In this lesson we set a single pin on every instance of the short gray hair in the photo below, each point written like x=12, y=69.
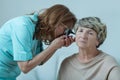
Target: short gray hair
x=95, y=24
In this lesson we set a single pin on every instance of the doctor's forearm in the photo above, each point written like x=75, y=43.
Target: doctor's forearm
x=42, y=57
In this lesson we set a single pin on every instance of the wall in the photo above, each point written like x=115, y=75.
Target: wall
x=107, y=10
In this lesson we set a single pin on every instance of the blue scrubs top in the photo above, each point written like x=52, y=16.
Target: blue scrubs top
x=17, y=44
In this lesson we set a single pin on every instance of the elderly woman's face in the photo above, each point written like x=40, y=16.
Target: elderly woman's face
x=86, y=38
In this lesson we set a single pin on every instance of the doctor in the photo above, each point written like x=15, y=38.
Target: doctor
x=21, y=39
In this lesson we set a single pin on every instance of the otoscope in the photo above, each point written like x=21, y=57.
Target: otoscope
x=68, y=32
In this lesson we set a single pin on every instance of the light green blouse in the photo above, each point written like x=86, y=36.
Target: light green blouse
x=17, y=44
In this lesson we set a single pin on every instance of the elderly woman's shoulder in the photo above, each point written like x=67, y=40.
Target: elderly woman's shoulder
x=110, y=60
x=70, y=58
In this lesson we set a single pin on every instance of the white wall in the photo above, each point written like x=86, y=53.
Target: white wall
x=107, y=10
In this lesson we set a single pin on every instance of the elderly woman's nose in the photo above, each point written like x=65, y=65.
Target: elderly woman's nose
x=84, y=35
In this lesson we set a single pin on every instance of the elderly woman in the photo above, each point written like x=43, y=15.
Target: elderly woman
x=90, y=63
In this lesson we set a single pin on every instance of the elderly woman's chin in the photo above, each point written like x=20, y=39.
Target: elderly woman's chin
x=82, y=45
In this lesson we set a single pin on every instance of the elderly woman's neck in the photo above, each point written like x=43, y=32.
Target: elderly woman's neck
x=87, y=55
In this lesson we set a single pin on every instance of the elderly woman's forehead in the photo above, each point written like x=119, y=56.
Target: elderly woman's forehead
x=87, y=28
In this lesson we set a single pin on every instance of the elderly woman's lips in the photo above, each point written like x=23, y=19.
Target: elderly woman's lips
x=83, y=41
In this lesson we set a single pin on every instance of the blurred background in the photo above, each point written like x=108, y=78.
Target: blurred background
x=107, y=10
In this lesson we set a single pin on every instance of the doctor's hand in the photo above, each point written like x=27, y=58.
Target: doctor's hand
x=62, y=41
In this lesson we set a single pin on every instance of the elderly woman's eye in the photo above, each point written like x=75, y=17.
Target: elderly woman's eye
x=80, y=30
x=91, y=33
